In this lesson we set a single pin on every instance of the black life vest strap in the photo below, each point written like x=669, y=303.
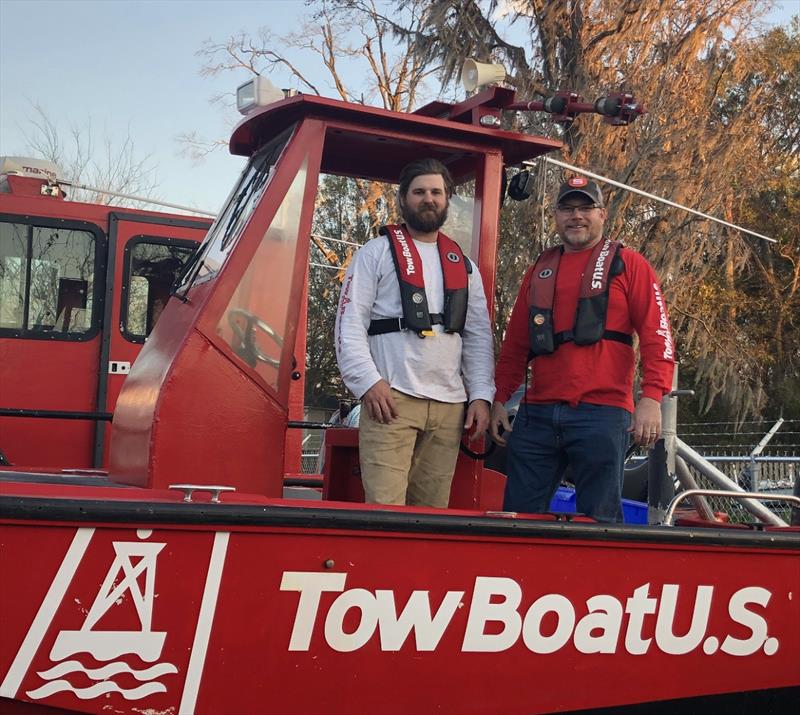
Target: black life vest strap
x=380, y=326
x=567, y=336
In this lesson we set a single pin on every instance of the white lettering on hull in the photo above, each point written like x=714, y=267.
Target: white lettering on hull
x=496, y=620
x=377, y=611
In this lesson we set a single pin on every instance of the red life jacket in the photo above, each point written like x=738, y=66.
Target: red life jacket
x=408, y=267
x=603, y=263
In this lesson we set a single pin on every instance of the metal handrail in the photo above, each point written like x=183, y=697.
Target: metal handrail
x=301, y=424
x=721, y=493
x=724, y=482
x=56, y=414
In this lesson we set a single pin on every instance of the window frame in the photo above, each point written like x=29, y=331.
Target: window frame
x=131, y=244
x=220, y=237
x=99, y=278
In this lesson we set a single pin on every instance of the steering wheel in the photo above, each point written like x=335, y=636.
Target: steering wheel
x=478, y=455
x=247, y=347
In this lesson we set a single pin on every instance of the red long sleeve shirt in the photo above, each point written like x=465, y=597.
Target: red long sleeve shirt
x=600, y=374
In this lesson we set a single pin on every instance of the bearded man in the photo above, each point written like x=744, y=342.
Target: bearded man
x=413, y=342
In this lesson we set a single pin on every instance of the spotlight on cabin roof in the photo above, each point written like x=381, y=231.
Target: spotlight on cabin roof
x=256, y=92
x=478, y=74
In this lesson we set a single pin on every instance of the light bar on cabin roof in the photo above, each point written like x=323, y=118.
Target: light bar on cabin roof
x=257, y=92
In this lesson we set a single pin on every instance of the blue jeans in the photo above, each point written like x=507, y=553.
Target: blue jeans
x=591, y=439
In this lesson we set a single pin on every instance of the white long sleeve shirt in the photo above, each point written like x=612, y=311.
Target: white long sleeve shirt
x=445, y=367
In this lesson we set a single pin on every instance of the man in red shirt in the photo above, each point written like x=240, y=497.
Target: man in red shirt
x=575, y=314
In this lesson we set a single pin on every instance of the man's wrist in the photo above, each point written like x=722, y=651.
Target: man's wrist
x=501, y=397
x=651, y=397
x=481, y=392
x=379, y=380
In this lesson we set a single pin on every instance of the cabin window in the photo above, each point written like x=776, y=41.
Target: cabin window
x=348, y=213
x=254, y=323
x=228, y=227
x=151, y=267
x=46, y=280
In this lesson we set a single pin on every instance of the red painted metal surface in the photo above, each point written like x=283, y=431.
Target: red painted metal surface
x=128, y=229
x=252, y=131
x=335, y=611
x=56, y=374
x=293, y=460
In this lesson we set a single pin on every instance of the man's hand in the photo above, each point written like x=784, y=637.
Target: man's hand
x=379, y=403
x=477, y=416
x=646, y=427
x=499, y=417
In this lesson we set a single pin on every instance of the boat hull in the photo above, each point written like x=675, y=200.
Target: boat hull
x=289, y=608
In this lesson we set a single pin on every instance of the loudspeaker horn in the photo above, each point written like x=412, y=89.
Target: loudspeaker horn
x=478, y=74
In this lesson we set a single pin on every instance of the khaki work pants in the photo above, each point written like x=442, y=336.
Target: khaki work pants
x=412, y=460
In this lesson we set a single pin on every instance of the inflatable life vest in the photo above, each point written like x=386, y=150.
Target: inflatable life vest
x=603, y=264
x=408, y=267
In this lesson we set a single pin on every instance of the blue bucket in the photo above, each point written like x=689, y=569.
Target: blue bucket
x=563, y=502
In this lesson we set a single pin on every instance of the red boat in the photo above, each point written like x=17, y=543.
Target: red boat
x=196, y=576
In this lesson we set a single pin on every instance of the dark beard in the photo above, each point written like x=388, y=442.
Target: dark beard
x=425, y=220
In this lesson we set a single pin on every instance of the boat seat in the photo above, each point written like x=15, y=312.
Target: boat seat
x=342, y=478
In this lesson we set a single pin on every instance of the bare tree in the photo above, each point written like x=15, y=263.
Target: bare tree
x=346, y=38
x=108, y=164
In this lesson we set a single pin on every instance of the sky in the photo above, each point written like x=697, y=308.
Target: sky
x=130, y=68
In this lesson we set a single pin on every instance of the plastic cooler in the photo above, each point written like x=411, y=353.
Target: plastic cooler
x=633, y=512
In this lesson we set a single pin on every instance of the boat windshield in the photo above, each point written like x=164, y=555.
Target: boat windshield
x=229, y=226
x=254, y=322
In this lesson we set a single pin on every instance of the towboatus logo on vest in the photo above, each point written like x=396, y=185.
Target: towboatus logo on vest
x=104, y=629
x=410, y=268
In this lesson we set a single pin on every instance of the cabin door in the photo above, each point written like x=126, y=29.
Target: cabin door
x=149, y=252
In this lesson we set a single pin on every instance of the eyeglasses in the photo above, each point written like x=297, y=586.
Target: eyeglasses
x=583, y=209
